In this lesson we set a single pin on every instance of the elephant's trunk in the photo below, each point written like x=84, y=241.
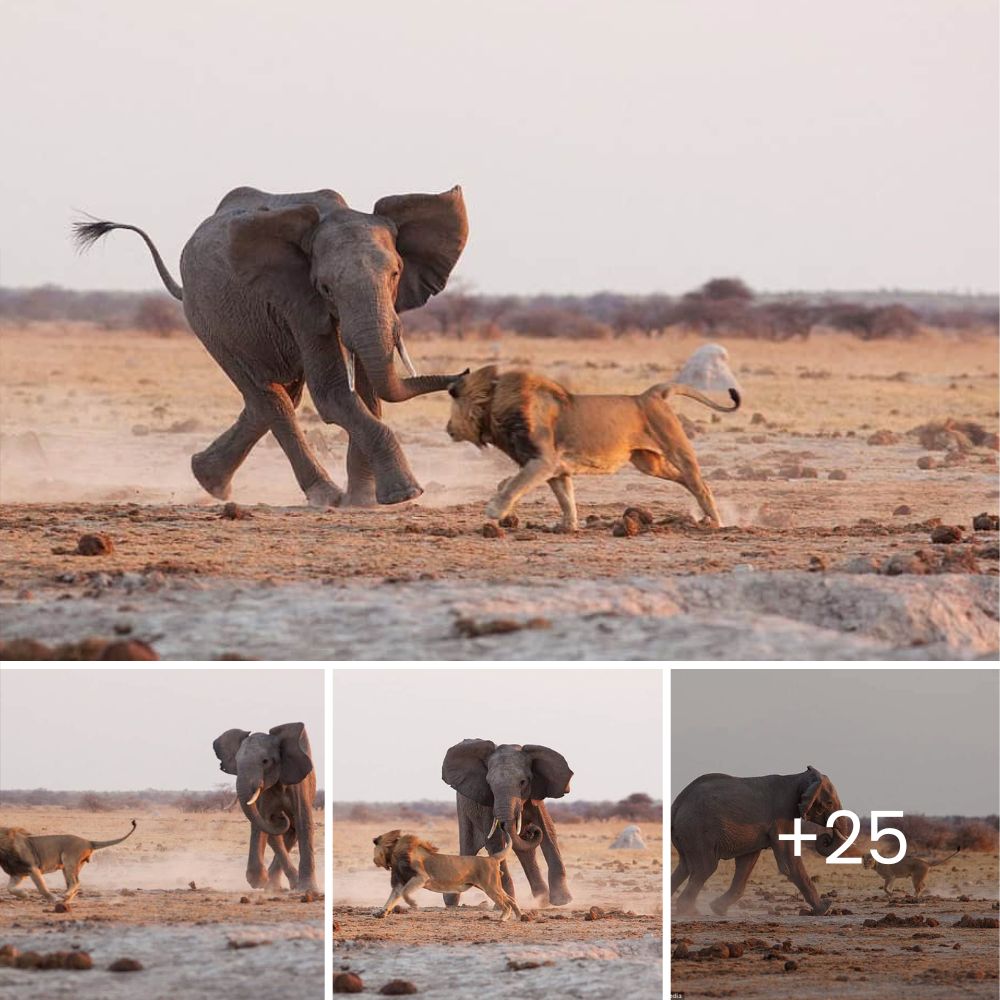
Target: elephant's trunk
x=524, y=837
x=375, y=345
x=830, y=838
x=247, y=791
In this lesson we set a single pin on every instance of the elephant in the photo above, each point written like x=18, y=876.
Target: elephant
x=293, y=290
x=504, y=787
x=276, y=789
x=718, y=816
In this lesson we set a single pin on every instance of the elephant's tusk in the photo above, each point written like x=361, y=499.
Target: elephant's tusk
x=518, y=830
x=493, y=828
x=404, y=354
x=349, y=361
x=253, y=798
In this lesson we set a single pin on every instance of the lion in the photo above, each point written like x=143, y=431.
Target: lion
x=22, y=854
x=916, y=868
x=553, y=434
x=416, y=864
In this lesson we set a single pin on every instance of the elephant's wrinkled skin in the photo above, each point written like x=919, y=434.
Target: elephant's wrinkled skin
x=276, y=788
x=718, y=816
x=299, y=289
x=505, y=786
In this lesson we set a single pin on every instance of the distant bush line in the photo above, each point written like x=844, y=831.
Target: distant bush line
x=720, y=307
x=943, y=833
x=219, y=799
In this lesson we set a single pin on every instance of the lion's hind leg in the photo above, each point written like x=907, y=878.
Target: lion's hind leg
x=685, y=473
x=562, y=487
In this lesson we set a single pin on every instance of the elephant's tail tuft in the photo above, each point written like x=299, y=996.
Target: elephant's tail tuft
x=86, y=234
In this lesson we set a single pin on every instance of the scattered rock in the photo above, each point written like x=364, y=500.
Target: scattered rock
x=491, y=530
x=511, y=521
x=977, y=922
x=61, y=907
x=902, y=510
x=791, y=966
x=891, y=920
x=626, y=527
x=244, y=900
x=129, y=649
x=398, y=988
x=640, y=514
x=595, y=913
x=817, y=563
x=234, y=512
x=97, y=544
x=184, y=426
x=837, y=474
x=926, y=462
x=986, y=522
x=884, y=437
x=347, y=982
x=681, y=951
x=469, y=628
x=946, y=534
x=125, y=965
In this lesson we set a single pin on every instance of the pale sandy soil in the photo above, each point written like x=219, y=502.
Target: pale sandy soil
x=117, y=417
x=458, y=953
x=835, y=954
x=136, y=902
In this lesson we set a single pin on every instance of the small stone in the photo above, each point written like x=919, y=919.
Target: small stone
x=97, y=544
x=986, y=522
x=837, y=474
x=511, y=521
x=817, y=563
x=626, y=527
x=719, y=951
x=758, y=418
x=125, y=965
x=946, y=534
x=791, y=966
x=61, y=907
x=398, y=988
x=641, y=514
x=594, y=913
x=244, y=900
x=234, y=512
x=902, y=510
x=77, y=960
x=347, y=982
x=926, y=462
x=883, y=437
x=309, y=897
x=491, y=530
x=681, y=951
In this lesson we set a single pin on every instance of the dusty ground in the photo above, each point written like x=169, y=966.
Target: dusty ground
x=836, y=955
x=459, y=953
x=136, y=901
x=99, y=429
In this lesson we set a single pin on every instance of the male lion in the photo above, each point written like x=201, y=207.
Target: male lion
x=416, y=864
x=553, y=434
x=916, y=868
x=22, y=854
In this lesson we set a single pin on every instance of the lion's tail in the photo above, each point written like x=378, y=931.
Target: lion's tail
x=666, y=389
x=95, y=844
x=508, y=846
x=934, y=864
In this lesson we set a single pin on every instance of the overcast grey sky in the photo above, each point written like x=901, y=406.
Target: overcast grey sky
x=639, y=146
x=924, y=741
x=391, y=728
x=123, y=730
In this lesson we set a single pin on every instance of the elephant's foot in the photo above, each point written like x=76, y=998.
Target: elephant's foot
x=720, y=906
x=397, y=492
x=307, y=885
x=541, y=899
x=821, y=907
x=362, y=495
x=257, y=880
x=324, y=494
x=209, y=478
x=559, y=896
x=451, y=899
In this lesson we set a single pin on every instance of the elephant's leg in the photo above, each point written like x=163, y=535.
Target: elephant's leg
x=215, y=467
x=256, y=871
x=679, y=875
x=795, y=870
x=468, y=846
x=559, y=894
x=701, y=867
x=536, y=472
x=360, y=476
x=281, y=863
x=305, y=832
x=275, y=405
x=529, y=862
x=744, y=866
x=562, y=486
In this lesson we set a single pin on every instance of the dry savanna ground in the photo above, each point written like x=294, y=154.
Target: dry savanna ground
x=773, y=952
x=557, y=951
x=829, y=497
x=173, y=897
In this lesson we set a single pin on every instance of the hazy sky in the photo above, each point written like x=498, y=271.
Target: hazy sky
x=111, y=730
x=639, y=146
x=391, y=728
x=924, y=741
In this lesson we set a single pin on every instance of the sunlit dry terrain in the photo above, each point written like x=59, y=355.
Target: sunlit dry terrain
x=173, y=897
x=817, y=478
x=557, y=951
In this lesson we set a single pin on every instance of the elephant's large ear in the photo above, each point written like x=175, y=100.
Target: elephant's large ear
x=296, y=761
x=464, y=768
x=550, y=772
x=814, y=786
x=270, y=249
x=431, y=230
x=225, y=748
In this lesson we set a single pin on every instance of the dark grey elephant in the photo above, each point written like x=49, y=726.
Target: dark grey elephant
x=504, y=786
x=286, y=290
x=718, y=816
x=276, y=788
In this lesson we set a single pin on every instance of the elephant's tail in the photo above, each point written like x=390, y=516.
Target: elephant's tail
x=508, y=845
x=95, y=844
x=666, y=389
x=86, y=234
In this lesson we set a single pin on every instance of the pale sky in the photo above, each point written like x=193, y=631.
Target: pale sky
x=924, y=741
x=125, y=730
x=391, y=728
x=639, y=146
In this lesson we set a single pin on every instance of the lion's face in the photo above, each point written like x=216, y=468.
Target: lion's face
x=471, y=396
x=384, y=844
x=867, y=861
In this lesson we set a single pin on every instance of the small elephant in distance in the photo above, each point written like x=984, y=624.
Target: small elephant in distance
x=276, y=788
x=718, y=816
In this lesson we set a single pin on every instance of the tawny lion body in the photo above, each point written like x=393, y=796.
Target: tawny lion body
x=22, y=854
x=917, y=869
x=553, y=435
x=416, y=864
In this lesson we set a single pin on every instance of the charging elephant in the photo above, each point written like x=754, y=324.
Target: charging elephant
x=286, y=290
x=718, y=816
x=504, y=786
x=276, y=788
